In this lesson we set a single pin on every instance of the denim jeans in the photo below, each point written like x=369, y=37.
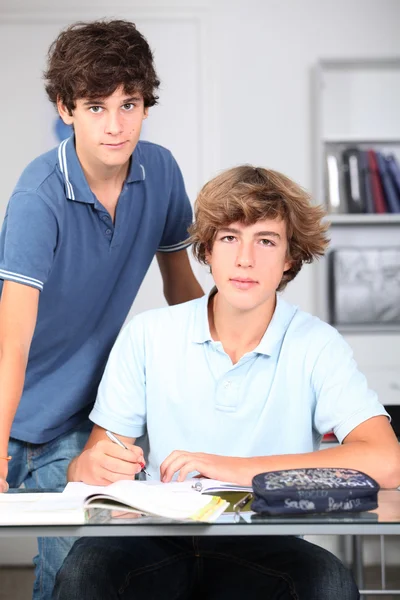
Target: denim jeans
x=215, y=568
x=44, y=466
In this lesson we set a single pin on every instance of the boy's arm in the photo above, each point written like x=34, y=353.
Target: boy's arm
x=102, y=461
x=344, y=405
x=371, y=447
x=18, y=314
x=120, y=407
x=180, y=284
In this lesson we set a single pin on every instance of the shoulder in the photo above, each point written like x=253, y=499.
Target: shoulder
x=37, y=172
x=154, y=155
x=164, y=325
x=309, y=335
x=40, y=180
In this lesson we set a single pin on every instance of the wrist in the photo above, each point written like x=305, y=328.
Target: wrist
x=73, y=472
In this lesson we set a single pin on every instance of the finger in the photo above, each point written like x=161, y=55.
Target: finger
x=166, y=464
x=133, y=454
x=186, y=469
x=122, y=467
x=176, y=466
x=110, y=477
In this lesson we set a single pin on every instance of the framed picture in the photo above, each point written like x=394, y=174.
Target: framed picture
x=364, y=286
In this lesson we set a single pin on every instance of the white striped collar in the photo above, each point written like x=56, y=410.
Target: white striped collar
x=62, y=161
x=71, y=169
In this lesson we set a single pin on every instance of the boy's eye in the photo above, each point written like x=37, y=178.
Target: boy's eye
x=128, y=106
x=228, y=238
x=95, y=109
x=265, y=242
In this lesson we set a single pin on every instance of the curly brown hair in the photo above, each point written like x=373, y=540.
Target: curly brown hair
x=91, y=60
x=248, y=194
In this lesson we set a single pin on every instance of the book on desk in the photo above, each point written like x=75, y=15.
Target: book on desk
x=189, y=500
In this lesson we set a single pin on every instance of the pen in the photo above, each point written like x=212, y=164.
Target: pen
x=114, y=439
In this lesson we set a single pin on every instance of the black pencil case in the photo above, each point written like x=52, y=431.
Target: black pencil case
x=314, y=490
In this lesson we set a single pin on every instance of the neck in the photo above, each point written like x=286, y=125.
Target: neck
x=238, y=331
x=100, y=176
x=105, y=178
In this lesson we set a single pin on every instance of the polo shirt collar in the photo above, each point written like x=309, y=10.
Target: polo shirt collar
x=276, y=330
x=272, y=338
x=76, y=185
x=201, y=330
x=136, y=169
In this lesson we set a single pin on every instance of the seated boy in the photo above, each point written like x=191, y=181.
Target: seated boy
x=228, y=386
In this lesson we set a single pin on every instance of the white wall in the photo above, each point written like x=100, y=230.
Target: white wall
x=254, y=61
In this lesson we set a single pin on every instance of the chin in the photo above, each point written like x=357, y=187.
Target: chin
x=244, y=304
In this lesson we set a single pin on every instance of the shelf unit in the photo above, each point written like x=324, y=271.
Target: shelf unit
x=357, y=102
x=363, y=219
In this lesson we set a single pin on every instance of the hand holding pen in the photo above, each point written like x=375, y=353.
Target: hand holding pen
x=120, y=443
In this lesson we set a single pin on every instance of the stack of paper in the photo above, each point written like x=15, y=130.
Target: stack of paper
x=40, y=509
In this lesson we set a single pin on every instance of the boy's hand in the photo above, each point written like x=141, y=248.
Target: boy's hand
x=3, y=476
x=213, y=466
x=4, y=487
x=106, y=462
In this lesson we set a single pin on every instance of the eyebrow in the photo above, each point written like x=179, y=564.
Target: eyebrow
x=100, y=102
x=258, y=234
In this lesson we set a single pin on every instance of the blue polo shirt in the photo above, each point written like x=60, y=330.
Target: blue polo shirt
x=167, y=374
x=58, y=238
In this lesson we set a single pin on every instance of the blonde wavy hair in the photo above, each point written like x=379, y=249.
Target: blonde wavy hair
x=248, y=194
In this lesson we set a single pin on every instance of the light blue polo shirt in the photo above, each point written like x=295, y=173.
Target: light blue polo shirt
x=165, y=372
x=58, y=238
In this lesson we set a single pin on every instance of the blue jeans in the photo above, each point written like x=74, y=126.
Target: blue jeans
x=44, y=466
x=215, y=568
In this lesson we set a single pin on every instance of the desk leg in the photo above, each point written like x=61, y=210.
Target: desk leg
x=358, y=567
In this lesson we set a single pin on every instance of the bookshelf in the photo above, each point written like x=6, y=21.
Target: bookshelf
x=356, y=104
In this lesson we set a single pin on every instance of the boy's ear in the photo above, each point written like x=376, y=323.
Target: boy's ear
x=64, y=113
x=288, y=265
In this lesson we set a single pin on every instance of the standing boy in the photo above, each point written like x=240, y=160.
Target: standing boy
x=81, y=229
x=228, y=386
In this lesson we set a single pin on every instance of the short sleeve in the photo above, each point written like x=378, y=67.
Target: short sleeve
x=121, y=399
x=343, y=399
x=179, y=215
x=28, y=240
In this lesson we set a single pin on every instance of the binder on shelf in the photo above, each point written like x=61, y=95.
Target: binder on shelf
x=394, y=170
x=352, y=180
x=377, y=191
x=335, y=193
x=391, y=195
x=366, y=182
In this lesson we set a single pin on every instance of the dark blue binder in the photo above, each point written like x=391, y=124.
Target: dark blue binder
x=394, y=170
x=391, y=195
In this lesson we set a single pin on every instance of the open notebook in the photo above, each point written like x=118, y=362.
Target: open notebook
x=174, y=501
